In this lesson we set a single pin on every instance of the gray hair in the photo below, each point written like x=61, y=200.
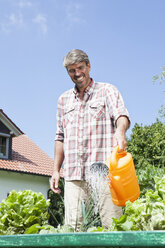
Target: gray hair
x=75, y=56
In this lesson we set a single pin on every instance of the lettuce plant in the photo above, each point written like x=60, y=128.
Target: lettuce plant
x=23, y=212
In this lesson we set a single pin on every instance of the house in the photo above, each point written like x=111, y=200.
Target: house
x=23, y=165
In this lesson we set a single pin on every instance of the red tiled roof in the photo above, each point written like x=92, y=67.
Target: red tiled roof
x=27, y=157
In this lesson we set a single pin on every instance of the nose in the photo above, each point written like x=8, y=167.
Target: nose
x=77, y=72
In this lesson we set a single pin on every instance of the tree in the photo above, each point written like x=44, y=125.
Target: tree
x=147, y=144
x=161, y=79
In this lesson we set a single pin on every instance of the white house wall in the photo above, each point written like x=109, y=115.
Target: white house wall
x=18, y=181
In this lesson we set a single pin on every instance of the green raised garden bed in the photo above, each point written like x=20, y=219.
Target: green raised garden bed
x=107, y=239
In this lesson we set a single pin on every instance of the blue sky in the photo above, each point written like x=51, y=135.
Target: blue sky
x=125, y=41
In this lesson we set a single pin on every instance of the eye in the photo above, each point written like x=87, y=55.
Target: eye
x=81, y=68
x=71, y=71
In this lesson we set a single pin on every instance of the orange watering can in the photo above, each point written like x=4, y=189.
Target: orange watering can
x=122, y=176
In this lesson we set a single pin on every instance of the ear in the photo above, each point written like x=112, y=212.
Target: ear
x=89, y=67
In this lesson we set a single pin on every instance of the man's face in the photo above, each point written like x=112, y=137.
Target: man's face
x=79, y=73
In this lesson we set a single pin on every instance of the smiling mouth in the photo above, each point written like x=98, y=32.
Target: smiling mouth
x=80, y=79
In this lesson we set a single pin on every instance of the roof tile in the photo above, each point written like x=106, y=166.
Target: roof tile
x=27, y=157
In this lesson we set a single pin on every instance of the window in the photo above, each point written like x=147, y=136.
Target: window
x=4, y=145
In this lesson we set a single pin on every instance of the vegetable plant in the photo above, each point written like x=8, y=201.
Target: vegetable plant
x=23, y=212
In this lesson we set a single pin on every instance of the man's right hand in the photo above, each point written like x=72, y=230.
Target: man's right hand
x=54, y=182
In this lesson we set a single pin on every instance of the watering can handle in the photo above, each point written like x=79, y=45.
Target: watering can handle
x=115, y=157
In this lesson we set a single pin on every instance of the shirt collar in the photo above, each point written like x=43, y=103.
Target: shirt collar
x=88, y=90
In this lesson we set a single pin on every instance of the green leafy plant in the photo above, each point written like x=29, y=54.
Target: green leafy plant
x=146, y=177
x=60, y=229
x=23, y=212
x=90, y=217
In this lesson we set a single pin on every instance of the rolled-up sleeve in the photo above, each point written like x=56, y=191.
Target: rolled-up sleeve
x=116, y=104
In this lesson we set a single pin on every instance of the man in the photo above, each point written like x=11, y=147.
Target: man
x=91, y=120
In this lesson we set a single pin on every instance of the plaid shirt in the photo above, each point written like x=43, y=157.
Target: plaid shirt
x=87, y=127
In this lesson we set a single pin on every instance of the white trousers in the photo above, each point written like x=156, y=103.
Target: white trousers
x=77, y=192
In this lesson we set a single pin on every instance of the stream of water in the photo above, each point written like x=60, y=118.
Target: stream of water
x=96, y=181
